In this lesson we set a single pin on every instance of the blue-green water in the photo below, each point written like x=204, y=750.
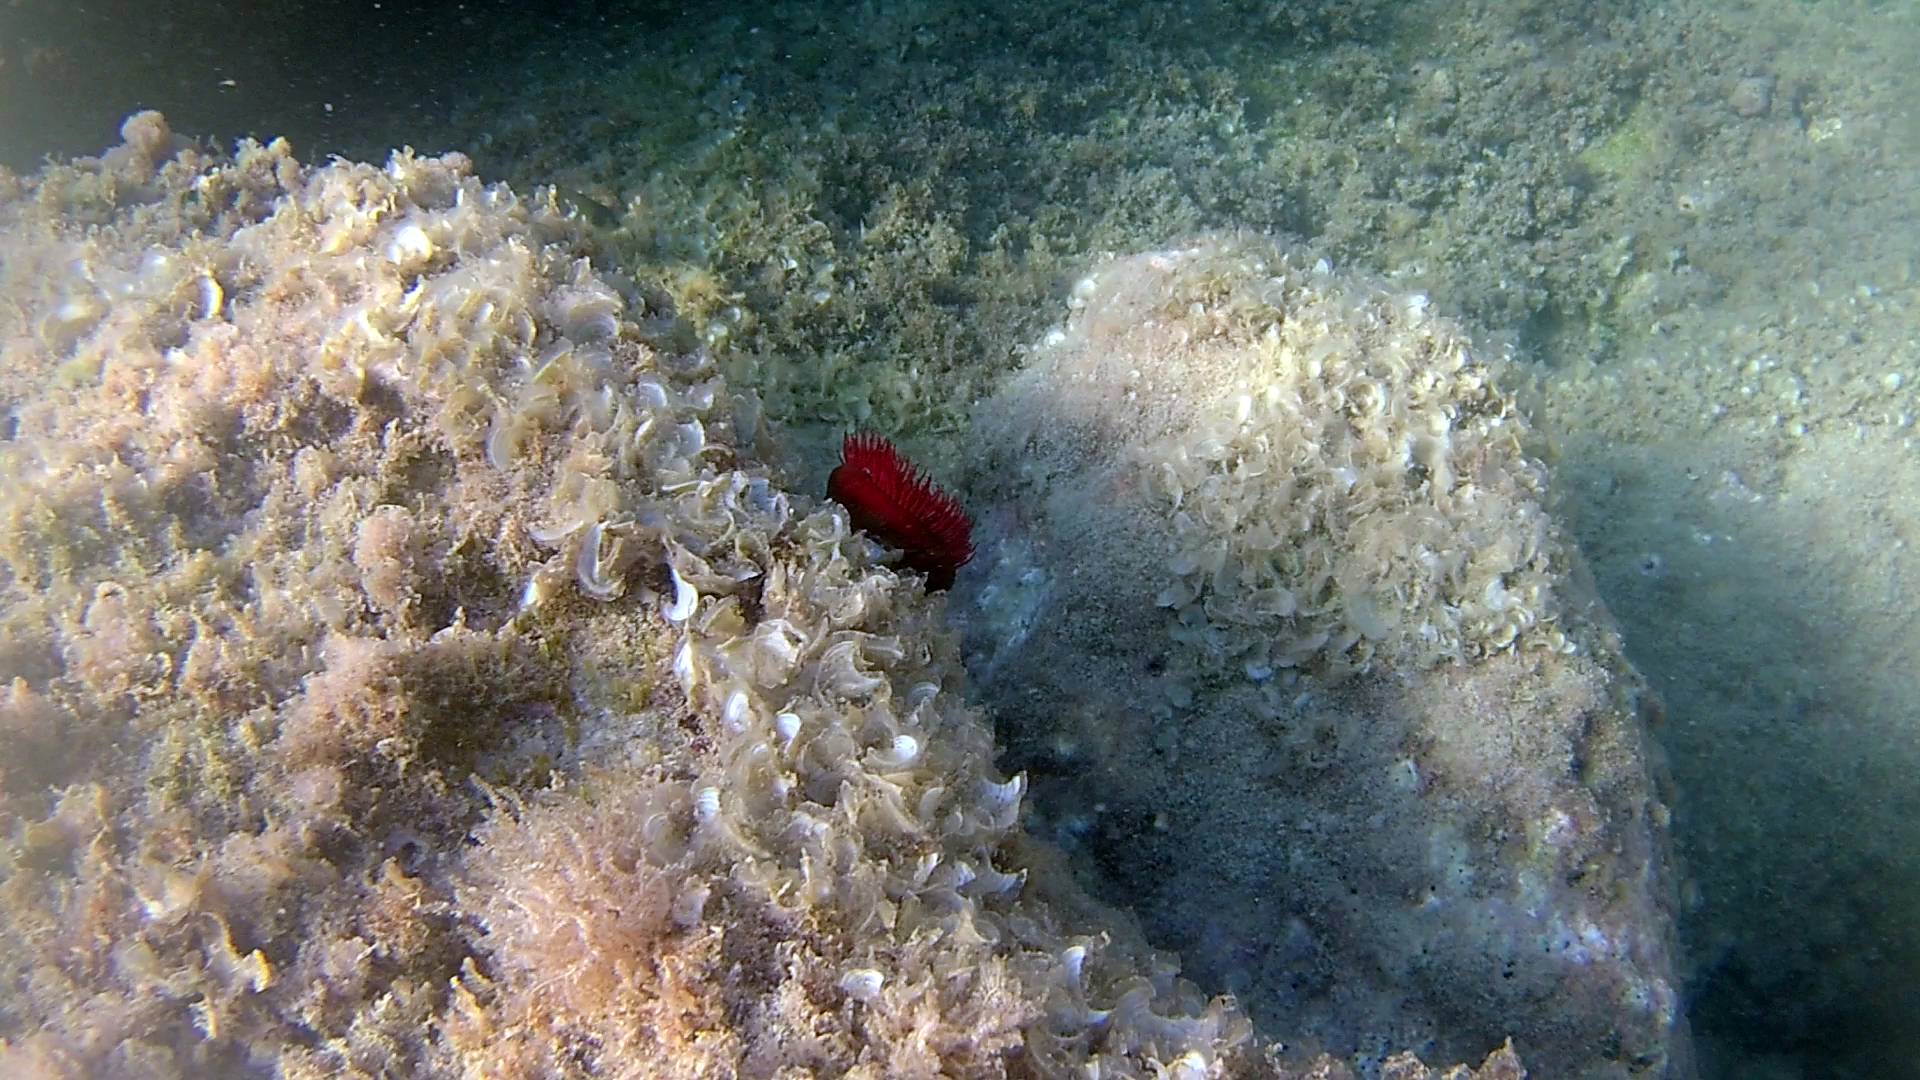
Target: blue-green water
x=1700, y=223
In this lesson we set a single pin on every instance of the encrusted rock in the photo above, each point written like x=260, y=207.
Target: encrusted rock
x=1271, y=608
x=409, y=665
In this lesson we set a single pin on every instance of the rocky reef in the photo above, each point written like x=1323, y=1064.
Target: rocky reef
x=1272, y=608
x=416, y=665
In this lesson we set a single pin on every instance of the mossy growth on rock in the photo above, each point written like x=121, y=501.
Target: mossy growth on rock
x=414, y=666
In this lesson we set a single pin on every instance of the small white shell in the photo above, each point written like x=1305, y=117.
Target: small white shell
x=1001, y=796
x=411, y=248
x=863, y=984
x=1003, y=800
x=930, y=802
x=706, y=804
x=905, y=750
x=685, y=597
x=788, y=725
x=738, y=711
x=650, y=393
x=1071, y=962
x=591, y=568
x=212, y=297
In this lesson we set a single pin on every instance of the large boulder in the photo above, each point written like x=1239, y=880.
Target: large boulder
x=1271, y=607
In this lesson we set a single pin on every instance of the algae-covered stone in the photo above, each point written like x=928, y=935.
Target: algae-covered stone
x=412, y=665
x=1271, y=605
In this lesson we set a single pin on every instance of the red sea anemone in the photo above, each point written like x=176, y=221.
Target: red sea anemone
x=889, y=500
